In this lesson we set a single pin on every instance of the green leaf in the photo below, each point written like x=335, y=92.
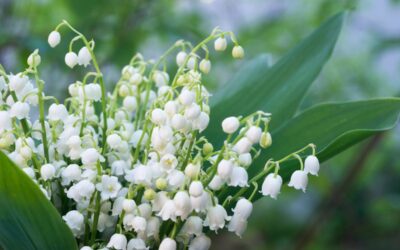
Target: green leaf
x=27, y=219
x=332, y=128
x=279, y=89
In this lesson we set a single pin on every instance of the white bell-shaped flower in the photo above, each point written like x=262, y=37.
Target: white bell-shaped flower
x=136, y=244
x=237, y=225
x=153, y=226
x=242, y=146
x=5, y=121
x=18, y=82
x=80, y=191
x=57, y=112
x=171, y=108
x=167, y=244
x=70, y=173
x=254, y=134
x=159, y=201
x=75, y=222
x=161, y=78
x=272, y=185
x=216, y=183
x=187, y=97
x=54, y=38
x=245, y=159
x=193, y=226
x=230, y=125
x=130, y=103
x=239, y=177
x=158, y=116
x=299, y=180
x=176, y=179
x=139, y=224
x=200, y=204
x=168, y=212
x=201, y=242
x=216, y=217
x=192, y=170
x=20, y=110
x=47, y=172
x=114, y=141
x=192, y=111
x=71, y=59
x=93, y=92
x=128, y=205
x=90, y=157
x=141, y=174
x=311, y=165
x=117, y=241
x=201, y=123
x=182, y=204
x=196, y=189
x=243, y=208
x=224, y=169
x=84, y=56
x=178, y=122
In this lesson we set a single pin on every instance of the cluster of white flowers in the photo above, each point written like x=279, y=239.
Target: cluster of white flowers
x=130, y=169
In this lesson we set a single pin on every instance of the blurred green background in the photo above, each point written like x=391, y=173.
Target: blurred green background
x=355, y=202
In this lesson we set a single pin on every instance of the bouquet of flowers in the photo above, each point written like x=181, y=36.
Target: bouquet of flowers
x=131, y=169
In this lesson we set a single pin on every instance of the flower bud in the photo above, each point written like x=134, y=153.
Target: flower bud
x=207, y=148
x=192, y=170
x=299, y=180
x=220, y=44
x=161, y=183
x=238, y=52
x=205, y=66
x=34, y=59
x=230, y=125
x=149, y=194
x=272, y=185
x=54, y=38
x=265, y=140
x=71, y=59
x=311, y=165
x=191, y=64
x=180, y=58
x=123, y=91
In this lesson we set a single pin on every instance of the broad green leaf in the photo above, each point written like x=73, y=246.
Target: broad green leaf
x=27, y=219
x=332, y=128
x=280, y=88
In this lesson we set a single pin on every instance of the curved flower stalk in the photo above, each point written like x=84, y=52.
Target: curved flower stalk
x=138, y=173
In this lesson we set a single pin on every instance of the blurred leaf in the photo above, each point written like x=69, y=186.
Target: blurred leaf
x=332, y=128
x=27, y=219
x=281, y=88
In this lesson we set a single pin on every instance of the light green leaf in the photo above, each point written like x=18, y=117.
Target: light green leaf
x=279, y=89
x=332, y=128
x=27, y=219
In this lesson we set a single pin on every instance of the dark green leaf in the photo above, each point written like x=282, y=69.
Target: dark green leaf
x=332, y=128
x=27, y=219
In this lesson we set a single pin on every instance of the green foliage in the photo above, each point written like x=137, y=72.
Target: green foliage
x=27, y=219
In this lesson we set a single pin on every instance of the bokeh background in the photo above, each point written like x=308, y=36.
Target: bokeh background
x=355, y=202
